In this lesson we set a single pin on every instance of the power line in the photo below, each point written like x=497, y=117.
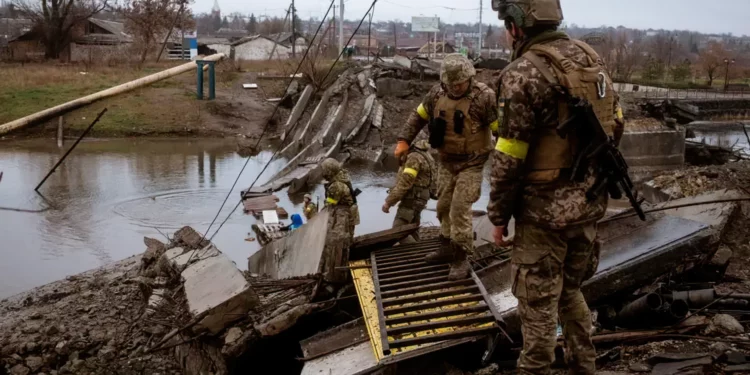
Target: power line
x=265, y=128
x=432, y=7
x=341, y=53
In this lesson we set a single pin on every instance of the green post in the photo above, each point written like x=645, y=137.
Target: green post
x=200, y=79
x=211, y=80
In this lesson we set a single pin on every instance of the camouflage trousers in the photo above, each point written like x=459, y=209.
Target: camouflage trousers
x=338, y=239
x=547, y=269
x=406, y=215
x=458, y=190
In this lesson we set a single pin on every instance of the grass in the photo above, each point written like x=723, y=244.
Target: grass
x=163, y=107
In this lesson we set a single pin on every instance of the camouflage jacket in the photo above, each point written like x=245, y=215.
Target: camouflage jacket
x=338, y=190
x=413, y=181
x=482, y=112
x=525, y=103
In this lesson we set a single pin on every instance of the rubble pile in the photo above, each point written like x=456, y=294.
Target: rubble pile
x=693, y=181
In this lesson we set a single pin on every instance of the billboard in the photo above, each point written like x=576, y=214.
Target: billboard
x=425, y=24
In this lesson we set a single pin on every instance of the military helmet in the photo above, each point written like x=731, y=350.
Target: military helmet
x=529, y=13
x=330, y=167
x=456, y=68
x=422, y=144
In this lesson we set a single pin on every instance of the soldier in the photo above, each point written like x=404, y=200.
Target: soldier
x=461, y=114
x=413, y=187
x=344, y=216
x=310, y=209
x=554, y=246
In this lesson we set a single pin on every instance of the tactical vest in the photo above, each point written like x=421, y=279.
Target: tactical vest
x=551, y=152
x=470, y=138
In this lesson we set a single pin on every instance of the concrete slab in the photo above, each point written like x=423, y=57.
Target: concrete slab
x=317, y=115
x=354, y=360
x=660, y=246
x=215, y=287
x=369, y=103
x=715, y=215
x=173, y=253
x=654, y=149
x=193, y=256
x=299, y=108
x=298, y=254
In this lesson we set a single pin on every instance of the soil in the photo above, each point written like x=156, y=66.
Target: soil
x=86, y=324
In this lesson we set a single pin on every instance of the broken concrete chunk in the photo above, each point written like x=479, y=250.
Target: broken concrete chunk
x=393, y=87
x=34, y=363
x=19, y=370
x=233, y=335
x=193, y=256
x=189, y=238
x=216, y=289
x=723, y=325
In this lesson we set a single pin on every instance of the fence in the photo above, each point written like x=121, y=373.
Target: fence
x=651, y=92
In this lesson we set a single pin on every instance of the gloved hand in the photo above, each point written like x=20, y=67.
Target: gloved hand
x=401, y=149
x=499, y=234
x=386, y=208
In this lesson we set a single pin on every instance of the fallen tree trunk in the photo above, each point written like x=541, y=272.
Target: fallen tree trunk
x=86, y=100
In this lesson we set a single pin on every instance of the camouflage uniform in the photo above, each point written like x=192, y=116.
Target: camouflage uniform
x=463, y=153
x=344, y=216
x=555, y=223
x=412, y=188
x=310, y=208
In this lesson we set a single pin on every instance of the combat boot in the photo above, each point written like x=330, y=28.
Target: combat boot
x=459, y=266
x=445, y=253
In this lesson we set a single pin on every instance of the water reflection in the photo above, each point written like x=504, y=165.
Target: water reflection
x=109, y=194
x=727, y=135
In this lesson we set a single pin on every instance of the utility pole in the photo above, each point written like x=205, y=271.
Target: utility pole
x=369, y=35
x=395, y=40
x=294, y=37
x=341, y=26
x=480, y=28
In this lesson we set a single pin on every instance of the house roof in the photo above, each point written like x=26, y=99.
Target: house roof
x=284, y=38
x=254, y=37
x=115, y=33
x=115, y=28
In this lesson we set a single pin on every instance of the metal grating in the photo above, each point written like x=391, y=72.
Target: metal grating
x=417, y=305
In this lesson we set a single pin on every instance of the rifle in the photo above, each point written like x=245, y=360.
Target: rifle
x=612, y=170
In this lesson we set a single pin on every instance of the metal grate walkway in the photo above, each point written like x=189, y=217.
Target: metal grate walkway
x=416, y=305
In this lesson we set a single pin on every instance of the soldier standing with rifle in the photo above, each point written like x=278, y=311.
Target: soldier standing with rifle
x=560, y=122
x=461, y=115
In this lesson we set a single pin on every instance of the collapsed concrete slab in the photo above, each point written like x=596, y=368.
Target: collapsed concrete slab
x=216, y=290
x=299, y=108
x=369, y=103
x=298, y=254
x=660, y=246
x=715, y=215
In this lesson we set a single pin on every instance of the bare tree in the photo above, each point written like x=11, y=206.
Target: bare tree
x=711, y=59
x=149, y=20
x=55, y=20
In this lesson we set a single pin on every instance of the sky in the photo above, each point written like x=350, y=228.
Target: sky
x=717, y=16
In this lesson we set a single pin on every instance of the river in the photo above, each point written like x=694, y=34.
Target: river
x=109, y=194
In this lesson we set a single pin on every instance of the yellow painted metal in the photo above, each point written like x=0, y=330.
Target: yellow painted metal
x=365, y=287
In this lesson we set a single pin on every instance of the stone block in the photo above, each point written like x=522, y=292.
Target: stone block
x=214, y=287
x=393, y=87
x=661, y=148
x=189, y=238
x=193, y=256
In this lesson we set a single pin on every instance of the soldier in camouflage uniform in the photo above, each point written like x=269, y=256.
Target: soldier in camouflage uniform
x=554, y=246
x=461, y=115
x=310, y=208
x=412, y=188
x=343, y=217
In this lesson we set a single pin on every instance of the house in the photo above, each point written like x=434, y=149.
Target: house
x=212, y=45
x=285, y=38
x=93, y=39
x=26, y=47
x=100, y=40
x=259, y=47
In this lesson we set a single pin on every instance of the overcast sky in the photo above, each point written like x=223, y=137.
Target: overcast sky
x=717, y=16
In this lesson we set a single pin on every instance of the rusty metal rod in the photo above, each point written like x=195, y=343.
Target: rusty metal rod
x=415, y=276
x=85, y=132
x=426, y=297
x=428, y=287
x=436, y=314
x=406, y=255
x=411, y=271
x=486, y=318
x=407, y=266
x=415, y=261
x=429, y=305
x=388, y=288
x=442, y=336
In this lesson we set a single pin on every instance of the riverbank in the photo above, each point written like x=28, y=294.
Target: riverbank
x=165, y=108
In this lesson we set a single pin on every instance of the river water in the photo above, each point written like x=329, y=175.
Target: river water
x=109, y=194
